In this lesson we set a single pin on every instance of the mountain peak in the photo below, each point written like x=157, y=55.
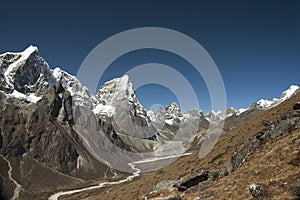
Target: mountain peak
x=20, y=60
x=173, y=111
x=30, y=50
x=117, y=88
x=173, y=107
x=266, y=104
x=23, y=71
x=26, y=53
x=125, y=78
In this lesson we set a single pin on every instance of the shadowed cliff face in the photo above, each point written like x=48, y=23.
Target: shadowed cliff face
x=41, y=134
x=28, y=129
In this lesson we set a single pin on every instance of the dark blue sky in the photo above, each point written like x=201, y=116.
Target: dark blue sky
x=255, y=44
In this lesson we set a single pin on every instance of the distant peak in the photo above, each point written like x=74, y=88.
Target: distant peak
x=294, y=86
x=266, y=104
x=173, y=104
x=123, y=80
x=117, y=88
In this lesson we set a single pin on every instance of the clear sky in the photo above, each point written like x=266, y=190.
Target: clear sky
x=255, y=44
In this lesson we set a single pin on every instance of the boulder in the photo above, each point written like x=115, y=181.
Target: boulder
x=259, y=191
x=297, y=106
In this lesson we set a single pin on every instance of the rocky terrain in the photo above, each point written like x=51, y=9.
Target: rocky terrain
x=56, y=136
x=258, y=159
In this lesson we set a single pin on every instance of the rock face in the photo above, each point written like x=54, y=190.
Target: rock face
x=27, y=129
x=177, y=189
x=6, y=60
x=117, y=103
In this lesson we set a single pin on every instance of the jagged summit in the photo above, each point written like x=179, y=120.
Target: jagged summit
x=118, y=95
x=116, y=89
x=12, y=63
x=25, y=54
x=25, y=74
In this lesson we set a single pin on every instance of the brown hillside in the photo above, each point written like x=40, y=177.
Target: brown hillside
x=273, y=164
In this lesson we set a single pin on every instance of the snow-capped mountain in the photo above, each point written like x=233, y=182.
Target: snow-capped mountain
x=25, y=75
x=266, y=104
x=37, y=125
x=80, y=94
x=116, y=97
x=263, y=104
x=216, y=117
x=117, y=102
x=170, y=115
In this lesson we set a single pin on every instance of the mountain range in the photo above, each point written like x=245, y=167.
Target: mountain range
x=53, y=130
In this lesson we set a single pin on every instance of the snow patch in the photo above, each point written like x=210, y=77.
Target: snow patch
x=80, y=161
x=104, y=110
x=29, y=97
x=169, y=121
x=241, y=110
